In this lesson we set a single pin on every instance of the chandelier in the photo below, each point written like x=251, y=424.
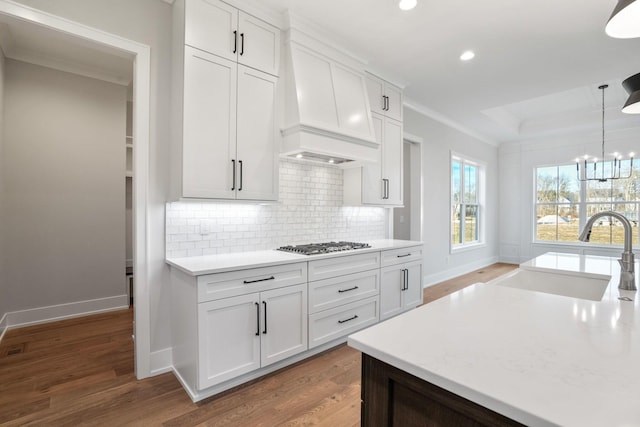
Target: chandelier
x=616, y=163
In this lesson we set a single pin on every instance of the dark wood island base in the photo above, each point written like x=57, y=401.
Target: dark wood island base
x=392, y=397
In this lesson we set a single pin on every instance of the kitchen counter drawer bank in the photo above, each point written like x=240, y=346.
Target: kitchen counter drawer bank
x=237, y=317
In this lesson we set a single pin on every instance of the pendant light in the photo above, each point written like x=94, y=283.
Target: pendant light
x=616, y=163
x=632, y=86
x=624, y=22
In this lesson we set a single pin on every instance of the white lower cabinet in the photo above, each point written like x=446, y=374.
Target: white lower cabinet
x=234, y=326
x=228, y=338
x=400, y=288
x=241, y=334
x=338, y=322
x=343, y=296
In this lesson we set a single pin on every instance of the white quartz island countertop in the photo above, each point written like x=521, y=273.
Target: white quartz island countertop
x=540, y=359
x=209, y=264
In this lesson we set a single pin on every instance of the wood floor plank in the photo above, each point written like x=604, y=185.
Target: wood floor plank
x=80, y=372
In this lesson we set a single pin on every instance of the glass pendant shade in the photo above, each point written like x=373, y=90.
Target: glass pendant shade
x=632, y=86
x=624, y=22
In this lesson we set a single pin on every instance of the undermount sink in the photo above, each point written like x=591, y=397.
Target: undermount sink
x=590, y=287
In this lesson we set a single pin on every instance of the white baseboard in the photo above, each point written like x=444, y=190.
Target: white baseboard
x=160, y=362
x=3, y=325
x=52, y=313
x=441, y=276
x=510, y=259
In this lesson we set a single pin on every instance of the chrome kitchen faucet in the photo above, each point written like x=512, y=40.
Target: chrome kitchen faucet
x=627, y=276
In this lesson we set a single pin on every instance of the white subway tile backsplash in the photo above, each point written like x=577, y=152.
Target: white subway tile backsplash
x=309, y=210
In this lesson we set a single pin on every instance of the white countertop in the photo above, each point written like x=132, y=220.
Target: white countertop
x=208, y=264
x=537, y=358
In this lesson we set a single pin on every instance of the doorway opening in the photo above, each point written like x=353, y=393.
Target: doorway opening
x=407, y=220
x=138, y=56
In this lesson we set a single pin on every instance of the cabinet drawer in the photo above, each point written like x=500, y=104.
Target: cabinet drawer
x=339, y=266
x=399, y=256
x=330, y=293
x=332, y=324
x=232, y=283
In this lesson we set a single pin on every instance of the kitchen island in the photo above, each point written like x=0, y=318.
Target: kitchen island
x=509, y=356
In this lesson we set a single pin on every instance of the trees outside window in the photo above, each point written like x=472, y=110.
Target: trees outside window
x=564, y=203
x=466, y=180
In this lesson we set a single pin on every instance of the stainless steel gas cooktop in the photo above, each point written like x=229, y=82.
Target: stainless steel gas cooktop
x=323, y=248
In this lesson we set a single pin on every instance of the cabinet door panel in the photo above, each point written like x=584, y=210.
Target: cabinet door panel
x=284, y=333
x=394, y=94
x=256, y=137
x=391, y=280
x=209, y=131
x=392, y=160
x=209, y=25
x=259, y=44
x=227, y=340
x=413, y=296
x=375, y=90
x=373, y=186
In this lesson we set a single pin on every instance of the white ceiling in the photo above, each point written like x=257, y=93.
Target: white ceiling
x=28, y=42
x=537, y=68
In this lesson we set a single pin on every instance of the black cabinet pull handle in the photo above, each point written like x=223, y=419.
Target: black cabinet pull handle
x=259, y=280
x=233, y=162
x=402, y=256
x=386, y=103
x=240, y=188
x=265, y=317
x=387, y=188
x=349, y=319
x=257, y=319
x=347, y=290
x=235, y=41
x=241, y=44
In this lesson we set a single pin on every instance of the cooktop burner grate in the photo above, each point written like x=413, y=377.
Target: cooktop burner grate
x=323, y=248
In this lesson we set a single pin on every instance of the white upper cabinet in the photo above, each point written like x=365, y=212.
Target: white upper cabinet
x=257, y=149
x=385, y=98
x=209, y=130
x=224, y=133
x=223, y=30
x=378, y=183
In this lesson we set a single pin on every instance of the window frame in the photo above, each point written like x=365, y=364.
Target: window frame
x=583, y=205
x=480, y=176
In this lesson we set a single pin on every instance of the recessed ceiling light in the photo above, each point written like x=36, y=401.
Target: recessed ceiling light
x=466, y=56
x=407, y=4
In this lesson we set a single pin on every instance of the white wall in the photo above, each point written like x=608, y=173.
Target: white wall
x=439, y=140
x=147, y=22
x=309, y=210
x=64, y=188
x=517, y=163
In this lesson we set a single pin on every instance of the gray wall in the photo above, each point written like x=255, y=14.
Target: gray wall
x=3, y=300
x=402, y=216
x=439, y=141
x=147, y=22
x=64, y=187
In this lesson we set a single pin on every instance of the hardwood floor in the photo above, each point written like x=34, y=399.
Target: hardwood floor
x=80, y=372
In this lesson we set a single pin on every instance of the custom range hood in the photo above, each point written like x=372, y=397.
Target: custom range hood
x=327, y=117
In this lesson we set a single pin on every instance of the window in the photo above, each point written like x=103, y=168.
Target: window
x=563, y=204
x=466, y=209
